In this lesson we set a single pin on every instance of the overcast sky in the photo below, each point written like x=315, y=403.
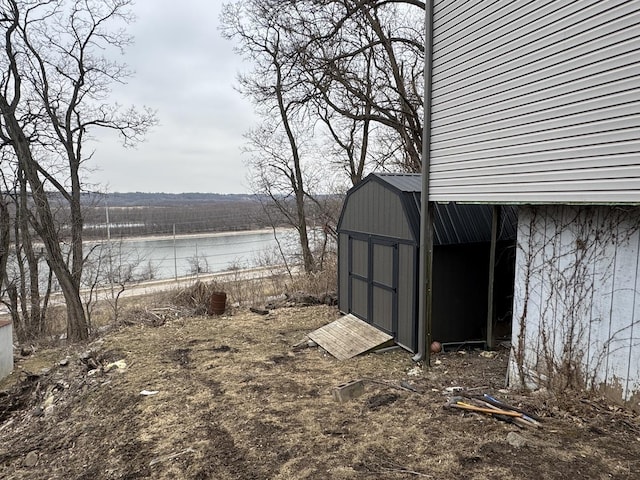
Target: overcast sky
x=186, y=71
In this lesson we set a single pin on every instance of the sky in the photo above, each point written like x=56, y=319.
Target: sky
x=186, y=72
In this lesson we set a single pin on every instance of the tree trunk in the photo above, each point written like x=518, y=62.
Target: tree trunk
x=77, y=256
x=45, y=226
x=5, y=238
x=34, y=324
x=297, y=180
x=307, y=255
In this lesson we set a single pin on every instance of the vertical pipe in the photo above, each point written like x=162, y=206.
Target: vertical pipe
x=426, y=218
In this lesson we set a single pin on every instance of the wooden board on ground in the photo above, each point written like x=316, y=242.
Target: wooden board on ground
x=349, y=336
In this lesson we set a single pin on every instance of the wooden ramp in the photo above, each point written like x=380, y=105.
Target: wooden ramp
x=349, y=336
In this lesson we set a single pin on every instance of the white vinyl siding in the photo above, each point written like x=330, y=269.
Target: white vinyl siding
x=536, y=101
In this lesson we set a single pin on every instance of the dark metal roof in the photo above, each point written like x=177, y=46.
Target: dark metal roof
x=454, y=223
x=405, y=182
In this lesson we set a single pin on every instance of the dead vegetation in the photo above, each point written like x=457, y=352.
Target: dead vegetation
x=228, y=397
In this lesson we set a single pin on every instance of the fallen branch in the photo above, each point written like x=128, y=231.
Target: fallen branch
x=391, y=467
x=166, y=458
x=405, y=470
x=403, y=385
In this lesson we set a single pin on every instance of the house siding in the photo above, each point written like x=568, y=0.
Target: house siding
x=577, y=299
x=536, y=102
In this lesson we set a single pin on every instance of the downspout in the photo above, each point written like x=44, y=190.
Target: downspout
x=426, y=214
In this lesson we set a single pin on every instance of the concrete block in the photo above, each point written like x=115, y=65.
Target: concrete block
x=347, y=391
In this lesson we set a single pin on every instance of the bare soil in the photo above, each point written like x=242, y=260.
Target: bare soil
x=235, y=401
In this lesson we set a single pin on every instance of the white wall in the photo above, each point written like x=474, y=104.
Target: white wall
x=6, y=349
x=577, y=299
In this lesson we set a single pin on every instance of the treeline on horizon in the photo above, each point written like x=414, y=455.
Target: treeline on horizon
x=134, y=199
x=145, y=214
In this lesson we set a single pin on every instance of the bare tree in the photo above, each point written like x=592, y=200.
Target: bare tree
x=55, y=84
x=347, y=73
x=276, y=89
x=5, y=219
x=111, y=268
x=365, y=60
x=339, y=85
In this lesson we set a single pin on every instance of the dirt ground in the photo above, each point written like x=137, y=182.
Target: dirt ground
x=235, y=401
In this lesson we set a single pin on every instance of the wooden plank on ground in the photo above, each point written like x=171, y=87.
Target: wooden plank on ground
x=349, y=336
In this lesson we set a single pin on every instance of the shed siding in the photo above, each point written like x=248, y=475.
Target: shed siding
x=383, y=264
x=407, y=302
x=536, y=101
x=358, y=277
x=375, y=209
x=359, y=298
x=383, y=287
x=343, y=272
x=382, y=311
x=577, y=298
x=360, y=257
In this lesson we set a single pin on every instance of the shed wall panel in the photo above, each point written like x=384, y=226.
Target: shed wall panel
x=360, y=257
x=360, y=298
x=376, y=210
x=383, y=264
x=382, y=313
x=343, y=272
x=407, y=286
x=536, y=102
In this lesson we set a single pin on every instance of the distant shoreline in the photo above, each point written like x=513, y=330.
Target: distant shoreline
x=189, y=235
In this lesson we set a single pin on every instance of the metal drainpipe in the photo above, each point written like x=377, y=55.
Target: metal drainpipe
x=426, y=220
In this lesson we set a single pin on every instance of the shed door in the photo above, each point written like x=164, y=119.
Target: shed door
x=359, y=278
x=383, y=286
x=373, y=282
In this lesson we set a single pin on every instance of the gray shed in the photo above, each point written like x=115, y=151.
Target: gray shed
x=378, y=246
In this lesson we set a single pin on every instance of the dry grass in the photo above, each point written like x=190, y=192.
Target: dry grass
x=235, y=401
x=256, y=288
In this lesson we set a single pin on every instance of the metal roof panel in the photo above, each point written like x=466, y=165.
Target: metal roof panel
x=455, y=223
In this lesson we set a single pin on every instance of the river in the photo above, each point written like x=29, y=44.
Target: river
x=168, y=257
